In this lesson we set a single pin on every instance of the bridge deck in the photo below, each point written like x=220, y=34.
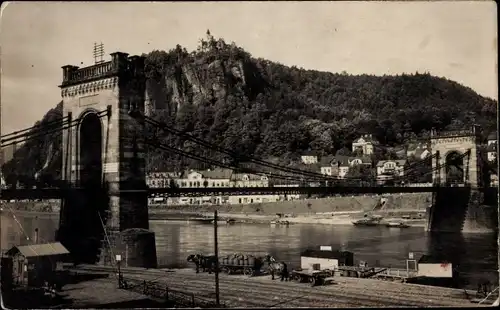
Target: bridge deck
x=55, y=193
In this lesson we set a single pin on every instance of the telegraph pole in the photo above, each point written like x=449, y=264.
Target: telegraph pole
x=216, y=249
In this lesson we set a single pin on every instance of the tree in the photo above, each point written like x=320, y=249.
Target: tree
x=343, y=152
x=172, y=183
x=361, y=172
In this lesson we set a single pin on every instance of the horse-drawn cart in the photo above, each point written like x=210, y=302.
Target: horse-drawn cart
x=245, y=264
x=231, y=264
x=315, y=277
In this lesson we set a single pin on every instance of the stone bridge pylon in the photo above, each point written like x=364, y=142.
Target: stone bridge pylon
x=104, y=155
x=457, y=175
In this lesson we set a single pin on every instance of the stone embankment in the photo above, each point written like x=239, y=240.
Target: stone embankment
x=261, y=291
x=333, y=210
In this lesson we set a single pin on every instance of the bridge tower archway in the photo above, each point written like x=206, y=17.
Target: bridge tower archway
x=106, y=150
x=456, y=158
x=90, y=151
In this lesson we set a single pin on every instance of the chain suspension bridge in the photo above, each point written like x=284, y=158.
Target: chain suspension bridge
x=103, y=186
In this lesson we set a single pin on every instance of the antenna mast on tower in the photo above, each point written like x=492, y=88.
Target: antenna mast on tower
x=98, y=53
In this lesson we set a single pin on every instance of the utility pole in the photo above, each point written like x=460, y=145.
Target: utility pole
x=216, y=249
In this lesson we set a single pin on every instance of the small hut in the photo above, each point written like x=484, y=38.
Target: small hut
x=325, y=258
x=33, y=265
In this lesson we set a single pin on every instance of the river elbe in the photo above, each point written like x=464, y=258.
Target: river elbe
x=475, y=255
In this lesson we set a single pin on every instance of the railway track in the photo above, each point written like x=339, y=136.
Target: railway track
x=241, y=291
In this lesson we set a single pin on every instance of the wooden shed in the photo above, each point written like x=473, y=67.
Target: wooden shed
x=325, y=258
x=34, y=264
x=435, y=267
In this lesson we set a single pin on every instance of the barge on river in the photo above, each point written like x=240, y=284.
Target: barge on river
x=368, y=221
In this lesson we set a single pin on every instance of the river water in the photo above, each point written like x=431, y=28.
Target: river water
x=476, y=255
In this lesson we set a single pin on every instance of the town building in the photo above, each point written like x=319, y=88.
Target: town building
x=160, y=179
x=249, y=180
x=309, y=158
x=365, y=145
x=388, y=169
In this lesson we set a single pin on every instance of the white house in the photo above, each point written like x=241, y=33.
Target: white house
x=366, y=144
x=328, y=166
x=492, y=151
x=309, y=158
x=493, y=180
x=386, y=169
x=249, y=180
x=420, y=151
x=492, y=138
x=344, y=163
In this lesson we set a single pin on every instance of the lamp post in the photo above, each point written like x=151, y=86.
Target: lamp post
x=118, y=261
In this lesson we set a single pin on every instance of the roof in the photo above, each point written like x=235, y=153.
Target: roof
x=346, y=160
x=309, y=153
x=433, y=259
x=400, y=162
x=34, y=250
x=493, y=136
x=218, y=173
x=326, y=254
x=326, y=160
x=162, y=175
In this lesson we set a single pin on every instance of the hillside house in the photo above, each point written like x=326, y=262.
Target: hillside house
x=492, y=137
x=309, y=158
x=493, y=180
x=387, y=169
x=327, y=166
x=420, y=151
x=344, y=163
x=491, y=151
x=365, y=144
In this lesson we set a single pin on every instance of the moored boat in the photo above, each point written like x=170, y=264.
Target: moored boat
x=397, y=225
x=372, y=221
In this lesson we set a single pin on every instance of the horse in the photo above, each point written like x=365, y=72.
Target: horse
x=274, y=267
x=207, y=263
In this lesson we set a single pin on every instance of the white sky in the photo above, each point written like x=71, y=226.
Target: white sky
x=456, y=40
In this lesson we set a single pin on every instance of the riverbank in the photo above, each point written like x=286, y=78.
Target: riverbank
x=328, y=211
x=261, y=291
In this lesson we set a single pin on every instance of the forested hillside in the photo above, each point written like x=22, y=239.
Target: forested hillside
x=221, y=94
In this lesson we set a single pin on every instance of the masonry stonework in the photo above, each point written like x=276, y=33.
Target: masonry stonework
x=460, y=143
x=110, y=90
